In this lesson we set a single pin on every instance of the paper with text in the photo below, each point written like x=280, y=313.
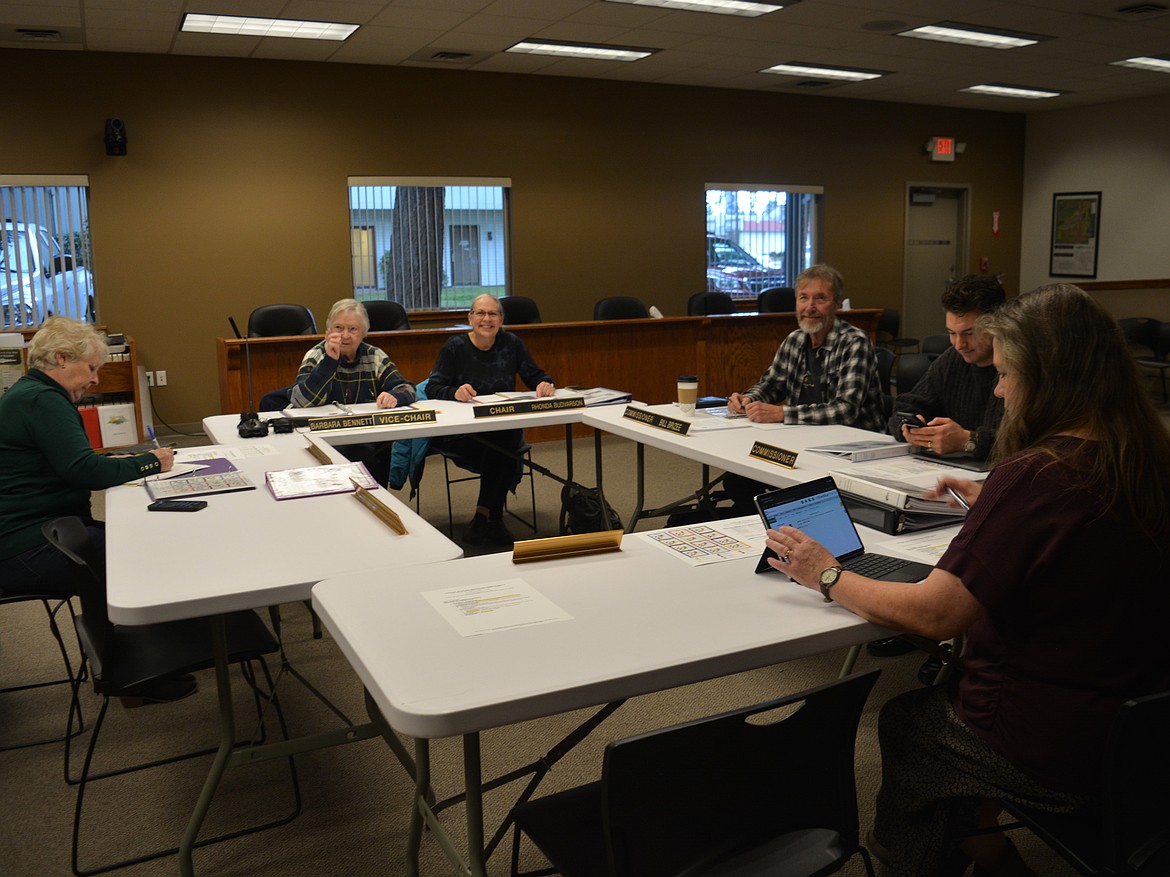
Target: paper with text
x=490, y=607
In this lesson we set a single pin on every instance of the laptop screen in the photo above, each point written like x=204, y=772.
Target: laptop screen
x=816, y=509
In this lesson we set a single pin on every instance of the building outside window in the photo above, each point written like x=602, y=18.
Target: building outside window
x=45, y=254
x=429, y=243
x=760, y=236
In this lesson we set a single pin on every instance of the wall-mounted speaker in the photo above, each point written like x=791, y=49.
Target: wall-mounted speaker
x=115, y=137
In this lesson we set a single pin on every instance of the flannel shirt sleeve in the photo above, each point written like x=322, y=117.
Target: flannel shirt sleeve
x=313, y=377
x=773, y=386
x=390, y=380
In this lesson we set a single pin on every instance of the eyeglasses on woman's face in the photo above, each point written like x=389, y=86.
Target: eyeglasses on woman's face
x=484, y=315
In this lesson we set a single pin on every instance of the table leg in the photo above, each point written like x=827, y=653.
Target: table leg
x=473, y=783
x=227, y=735
x=422, y=783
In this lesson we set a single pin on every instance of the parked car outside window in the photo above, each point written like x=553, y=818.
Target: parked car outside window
x=732, y=269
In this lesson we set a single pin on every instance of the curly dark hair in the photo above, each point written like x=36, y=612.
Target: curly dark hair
x=975, y=292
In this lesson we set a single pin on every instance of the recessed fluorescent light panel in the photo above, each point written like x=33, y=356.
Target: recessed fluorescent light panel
x=972, y=35
x=745, y=8
x=818, y=71
x=251, y=26
x=1158, y=65
x=1000, y=90
x=590, y=51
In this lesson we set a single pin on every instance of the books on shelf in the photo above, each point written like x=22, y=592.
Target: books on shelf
x=318, y=480
x=869, y=449
x=901, y=485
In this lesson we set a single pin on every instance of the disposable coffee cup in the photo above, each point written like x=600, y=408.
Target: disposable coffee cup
x=688, y=391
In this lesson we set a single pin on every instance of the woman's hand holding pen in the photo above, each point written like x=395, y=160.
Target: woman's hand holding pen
x=465, y=393
x=966, y=489
x=166, y=458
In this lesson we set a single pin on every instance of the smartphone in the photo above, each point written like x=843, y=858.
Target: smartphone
x=910, y=421
x=177, y=505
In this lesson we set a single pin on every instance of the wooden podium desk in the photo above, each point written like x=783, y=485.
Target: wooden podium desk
x=645, y=357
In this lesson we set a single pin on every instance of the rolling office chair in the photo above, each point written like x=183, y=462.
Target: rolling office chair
x=519, y=310
x=703, y=304
x=620, y=307
x=909, y=370
x=125, y=658
x=887, y=332
x=772, y=794
x=386, y=316
x=935, y=346
x=1149, y=339
x=777, y=300
x=271, y=320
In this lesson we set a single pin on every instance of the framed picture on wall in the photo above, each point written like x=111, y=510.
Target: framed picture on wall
x=1076, y=232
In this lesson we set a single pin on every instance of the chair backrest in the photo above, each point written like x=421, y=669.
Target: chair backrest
x=519, y=310
x=683, y=794
x=276, y=400
x=70, y=536
x=620, y=307
x=889, y=322
x=1141, y=334
x=702, y=304
x=777, y=300
x=935, y=345
x=269, y=320
x=1137, y=788
x=386, y=316
x=885, y=363
x=910, y=369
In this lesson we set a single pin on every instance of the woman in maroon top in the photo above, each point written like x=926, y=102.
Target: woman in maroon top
x=1058, y=578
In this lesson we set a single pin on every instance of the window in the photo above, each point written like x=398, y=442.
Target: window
x=429, y=242
x=45, y=254
x=759, y=236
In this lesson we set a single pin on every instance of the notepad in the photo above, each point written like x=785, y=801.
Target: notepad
x=318, y=480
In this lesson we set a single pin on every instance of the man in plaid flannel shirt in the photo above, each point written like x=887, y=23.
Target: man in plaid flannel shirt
x=824, y=372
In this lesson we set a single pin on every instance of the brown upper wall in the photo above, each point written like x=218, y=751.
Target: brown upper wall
x=233, y=193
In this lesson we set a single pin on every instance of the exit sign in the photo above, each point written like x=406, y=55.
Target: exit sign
x=941, y=148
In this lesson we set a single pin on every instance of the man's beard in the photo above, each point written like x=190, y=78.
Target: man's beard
x=812, y=325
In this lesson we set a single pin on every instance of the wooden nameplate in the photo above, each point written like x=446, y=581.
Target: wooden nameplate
x=567, y=546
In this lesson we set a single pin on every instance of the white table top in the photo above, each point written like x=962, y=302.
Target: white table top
x=728, y=448
x=247, y=550
x=454, y=418
x=642, y=621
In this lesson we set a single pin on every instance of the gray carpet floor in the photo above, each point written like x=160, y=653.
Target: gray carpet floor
x=356, y=797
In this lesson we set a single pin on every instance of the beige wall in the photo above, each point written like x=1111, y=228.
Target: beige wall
x=233, y=192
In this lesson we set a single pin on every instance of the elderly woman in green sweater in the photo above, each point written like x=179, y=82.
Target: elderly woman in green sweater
x=47, y=466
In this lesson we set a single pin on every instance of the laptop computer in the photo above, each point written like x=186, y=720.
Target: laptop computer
x=817, y=509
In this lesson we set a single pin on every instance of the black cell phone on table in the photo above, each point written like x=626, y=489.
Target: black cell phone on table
x=177, y=505
x=911, y=421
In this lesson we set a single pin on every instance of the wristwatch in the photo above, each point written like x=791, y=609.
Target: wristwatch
x=972, y=443
x=828, y=579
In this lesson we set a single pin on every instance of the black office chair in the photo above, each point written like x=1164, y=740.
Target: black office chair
x=909, y=370
x=761, y=790
x=620, y=307
x=777, y=300
x=75, y=724
x=1149, y=339
x=271, y=320
x=703, y=304
x=451, y=458
x=123, y=659
x=519, y=310
x=935, y=346
x=1126, y=833
x=887, y=332
x=386, y=316
x=885, y=363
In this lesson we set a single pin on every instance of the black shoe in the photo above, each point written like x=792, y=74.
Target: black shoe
x=477, y=530
x=929, y=670
x=165, y=690
x=498, y=534
x=890, y=647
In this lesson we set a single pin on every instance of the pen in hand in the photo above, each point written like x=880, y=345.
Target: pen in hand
x=153, y=437
x=959, y=499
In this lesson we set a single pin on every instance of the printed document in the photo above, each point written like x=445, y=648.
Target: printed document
x=494, y=606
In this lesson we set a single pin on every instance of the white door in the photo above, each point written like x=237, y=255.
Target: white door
x=935, y=252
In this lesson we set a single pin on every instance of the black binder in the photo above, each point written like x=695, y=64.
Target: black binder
x=890, y=520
